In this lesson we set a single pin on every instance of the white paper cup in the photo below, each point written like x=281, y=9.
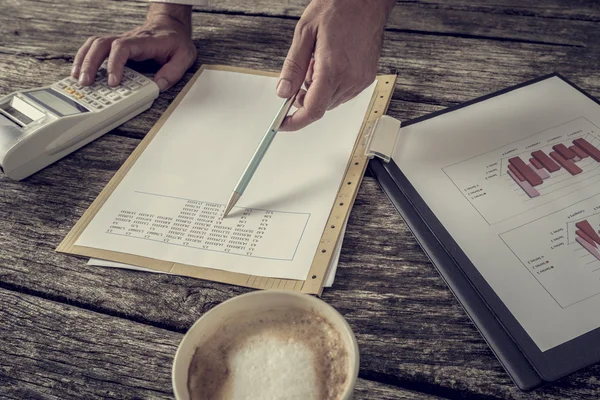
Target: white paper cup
x=258, y=302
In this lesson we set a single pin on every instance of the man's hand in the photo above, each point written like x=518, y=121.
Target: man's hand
x=165, y=38
x=335, y=51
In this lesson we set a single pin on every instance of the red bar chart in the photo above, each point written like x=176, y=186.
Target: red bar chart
x=554, y=163
x=564, y=151
x=545, y=161
x=588, y=148
x=588, y=238
x=542, y=165
x=562, y=250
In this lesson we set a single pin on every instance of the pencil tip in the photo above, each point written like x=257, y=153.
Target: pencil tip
x=235, y=196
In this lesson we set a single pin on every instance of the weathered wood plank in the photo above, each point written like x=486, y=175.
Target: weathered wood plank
x=584, y=10
x=545, y=22
x=541, y=23
x=51, y=350
x=55, y=351
x=494, y=21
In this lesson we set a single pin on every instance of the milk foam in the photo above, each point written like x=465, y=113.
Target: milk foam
x=271, y=368
x=287, y=354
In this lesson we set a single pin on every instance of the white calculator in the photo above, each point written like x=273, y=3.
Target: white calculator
x=42, y=125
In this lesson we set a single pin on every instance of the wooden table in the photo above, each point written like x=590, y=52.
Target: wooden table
x=72, y=331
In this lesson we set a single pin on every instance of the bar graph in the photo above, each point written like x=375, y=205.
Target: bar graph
x=588, y=238
x=562, y=251
x=542, y=165
x=561, y=162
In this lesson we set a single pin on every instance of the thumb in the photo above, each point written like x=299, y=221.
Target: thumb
x=297, y=61
x=174, y=69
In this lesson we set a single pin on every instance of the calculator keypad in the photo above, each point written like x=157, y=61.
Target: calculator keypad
x=99, y=94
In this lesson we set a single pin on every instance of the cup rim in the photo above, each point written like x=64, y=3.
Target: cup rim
x=317, y=302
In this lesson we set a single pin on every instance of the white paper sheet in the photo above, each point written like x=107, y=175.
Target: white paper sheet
x=169, y=205
x=525, y=247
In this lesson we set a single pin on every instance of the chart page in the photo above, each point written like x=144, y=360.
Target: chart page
x=515, y=179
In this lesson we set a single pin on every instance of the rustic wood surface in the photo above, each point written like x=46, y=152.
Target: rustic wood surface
x=72, y=331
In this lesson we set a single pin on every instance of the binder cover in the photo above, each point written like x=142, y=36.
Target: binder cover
x=522, y=359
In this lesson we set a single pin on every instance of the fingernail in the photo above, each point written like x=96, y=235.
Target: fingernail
x=284, y=87
x=75, y=71
x=162, y=84
x=83, y=78
x=112, y=80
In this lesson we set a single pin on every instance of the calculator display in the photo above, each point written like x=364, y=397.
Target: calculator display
x=56, y=102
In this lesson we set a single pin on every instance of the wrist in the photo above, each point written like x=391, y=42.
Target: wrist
x=180, y=14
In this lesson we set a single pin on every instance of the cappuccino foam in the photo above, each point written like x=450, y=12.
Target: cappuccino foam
x=287, y=354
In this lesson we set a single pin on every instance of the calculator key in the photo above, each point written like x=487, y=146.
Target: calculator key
x=70, y=81
x=69, y=90
x=97, y=105
x=104, y=91
x=140, y=80
x=103, y=81
x=87, y=100
x=62, y=85
x=77, y=86
x=105, y=101
x=130, y=75
x=96, y=86
x=86, y=90
x=133, y=86
x=123, y=92
x=113, y=96
x=95, y=96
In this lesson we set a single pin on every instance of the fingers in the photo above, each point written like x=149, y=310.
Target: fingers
x=121, y=50
x=322, y=95
x=297, y=61
x=80, y=56
x=173, y=70
x=125, y=48
x=315, y=104
x=94, y=57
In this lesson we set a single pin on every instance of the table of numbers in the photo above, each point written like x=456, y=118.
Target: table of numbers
x=198, y=224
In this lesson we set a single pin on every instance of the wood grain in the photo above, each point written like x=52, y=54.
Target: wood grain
x=51, y=350
x=552, y=23
x=411, y=331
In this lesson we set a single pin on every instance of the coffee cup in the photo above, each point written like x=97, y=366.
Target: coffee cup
x=289, y=344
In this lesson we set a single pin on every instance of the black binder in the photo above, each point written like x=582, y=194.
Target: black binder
x=522, y=359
